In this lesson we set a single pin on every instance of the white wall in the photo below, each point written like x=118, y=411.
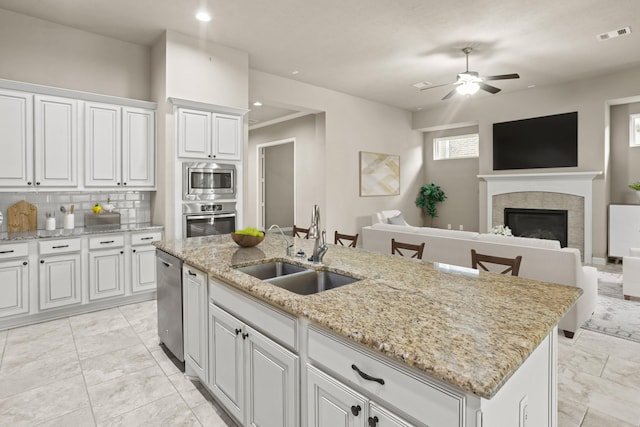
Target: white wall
x=626, y=159
x=352, y=125
x=41, y=52
x=589, y=97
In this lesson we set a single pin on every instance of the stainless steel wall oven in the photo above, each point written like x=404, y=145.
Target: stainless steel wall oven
x=208, y=218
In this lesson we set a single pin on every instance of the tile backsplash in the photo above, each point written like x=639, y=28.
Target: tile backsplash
x=134, y=206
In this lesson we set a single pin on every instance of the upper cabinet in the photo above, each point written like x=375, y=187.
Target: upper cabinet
x=119, y=146
x=16, y=122
x=209, y=135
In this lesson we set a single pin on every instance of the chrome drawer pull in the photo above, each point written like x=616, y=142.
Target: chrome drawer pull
x=367, y=376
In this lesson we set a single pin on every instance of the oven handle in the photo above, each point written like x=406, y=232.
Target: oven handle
x=214, y=216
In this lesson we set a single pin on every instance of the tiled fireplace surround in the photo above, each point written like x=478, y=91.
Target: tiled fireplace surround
x=571, y=191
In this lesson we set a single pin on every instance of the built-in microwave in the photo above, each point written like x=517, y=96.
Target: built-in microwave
x=204, y=180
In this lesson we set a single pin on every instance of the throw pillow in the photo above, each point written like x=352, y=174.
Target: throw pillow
x=397, y=220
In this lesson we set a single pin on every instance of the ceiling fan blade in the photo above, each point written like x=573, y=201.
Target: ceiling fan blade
x=450, y=94
x=435, y=86
x=502, y=77
x=489, y=88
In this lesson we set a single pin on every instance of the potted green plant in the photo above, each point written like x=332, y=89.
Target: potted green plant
x=429, y=195
x=635, y=186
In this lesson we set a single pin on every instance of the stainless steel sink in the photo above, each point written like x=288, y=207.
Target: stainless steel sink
x=311, y=282
x=297, y=279
x=270, y=270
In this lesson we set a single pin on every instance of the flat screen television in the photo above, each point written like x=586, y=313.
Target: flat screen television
x=540, y=142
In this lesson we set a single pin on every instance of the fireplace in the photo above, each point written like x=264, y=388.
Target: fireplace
x=550, y=224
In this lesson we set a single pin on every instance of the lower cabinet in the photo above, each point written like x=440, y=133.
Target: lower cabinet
x=106, y=266
x=255, y=378
x=59, y=280
x=330, y=403
x=14, y=280
x=194, y=300
x=143, y=261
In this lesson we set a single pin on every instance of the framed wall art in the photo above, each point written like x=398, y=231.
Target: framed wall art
x=379, y=174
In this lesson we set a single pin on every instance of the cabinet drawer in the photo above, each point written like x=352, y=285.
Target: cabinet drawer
x=427, y=402
x=145, y=238
x=62, y=246
x=106, y=241
x=14, y=250
x=275, y=324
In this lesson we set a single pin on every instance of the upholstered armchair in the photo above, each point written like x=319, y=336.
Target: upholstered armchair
x=631, y=274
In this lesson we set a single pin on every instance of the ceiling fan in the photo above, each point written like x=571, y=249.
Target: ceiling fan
x=468, y=82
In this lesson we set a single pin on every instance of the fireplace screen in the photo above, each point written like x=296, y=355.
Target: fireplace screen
x=550, y=224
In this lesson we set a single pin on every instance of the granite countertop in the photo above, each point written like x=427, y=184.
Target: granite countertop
x=472, y=330
x=77, y=232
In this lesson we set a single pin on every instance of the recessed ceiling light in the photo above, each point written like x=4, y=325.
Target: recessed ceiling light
x=294, y=72
x=203, y=16
x=257, y=104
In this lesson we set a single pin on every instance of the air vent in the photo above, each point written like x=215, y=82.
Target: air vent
x=615, y=33
x=422, y=85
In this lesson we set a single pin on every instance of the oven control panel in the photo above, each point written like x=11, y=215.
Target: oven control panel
x=210, y=207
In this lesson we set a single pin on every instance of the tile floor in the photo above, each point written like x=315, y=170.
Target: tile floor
x=106, y=368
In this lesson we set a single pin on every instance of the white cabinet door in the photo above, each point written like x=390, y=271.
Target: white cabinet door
x=106, y=273
x=56, y=146
x=16, y=123
x=194, y=298
x=226, y=139
x=331, y=403
x=143, y=268
x=226, y=360
x=381, y=417
x=14, y=287
x=194, y=133
x=624, y=229
x=102, y=145
x=272, y=382
x=138, y=147
x=59, y=281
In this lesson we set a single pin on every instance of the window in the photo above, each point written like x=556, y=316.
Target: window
x=455, y=147
x=634, y=130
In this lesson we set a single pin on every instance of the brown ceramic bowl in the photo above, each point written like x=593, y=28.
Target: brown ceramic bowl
x=246, y=241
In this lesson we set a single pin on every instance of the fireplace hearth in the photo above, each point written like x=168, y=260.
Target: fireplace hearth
x=550, y=224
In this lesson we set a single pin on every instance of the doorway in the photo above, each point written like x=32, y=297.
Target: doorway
x=276, y=184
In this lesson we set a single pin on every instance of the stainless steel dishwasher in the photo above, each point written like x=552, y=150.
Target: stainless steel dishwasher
x=169, y=273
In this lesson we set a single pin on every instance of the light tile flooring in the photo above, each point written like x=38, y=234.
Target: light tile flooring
x=106, y=368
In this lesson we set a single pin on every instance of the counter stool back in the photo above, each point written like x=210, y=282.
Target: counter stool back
x=397, y=247
x=300, y=232
x=338, y=239
x=479, y=260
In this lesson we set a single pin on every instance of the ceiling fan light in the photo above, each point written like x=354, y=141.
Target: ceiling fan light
x=468, y=88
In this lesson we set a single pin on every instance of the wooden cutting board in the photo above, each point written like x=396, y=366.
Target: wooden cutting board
x=22, y=216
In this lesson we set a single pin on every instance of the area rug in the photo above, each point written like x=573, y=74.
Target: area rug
x=614, y=315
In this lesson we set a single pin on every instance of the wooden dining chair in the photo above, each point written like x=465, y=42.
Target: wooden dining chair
x=300, y=232
x=338, y=239
x=397, y=247
x=513, y=264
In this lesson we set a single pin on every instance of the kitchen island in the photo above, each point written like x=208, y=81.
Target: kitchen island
x=486, y=341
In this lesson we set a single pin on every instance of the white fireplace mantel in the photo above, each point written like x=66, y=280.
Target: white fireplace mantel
x=575, y=183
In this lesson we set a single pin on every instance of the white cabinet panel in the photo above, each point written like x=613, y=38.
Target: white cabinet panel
x=106, y=273
x=14, y=287
x=624, y=229
x=381, y=417
x=194, y=288
x=226, y=137
x=102, y=145
x=143, y=268
x=56, y=145
x=138, y=148
x=16, y=122
x=59, y=281
x=194, y=133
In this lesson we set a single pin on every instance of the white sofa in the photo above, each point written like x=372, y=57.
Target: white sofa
x=631, y=274
x=542, y=259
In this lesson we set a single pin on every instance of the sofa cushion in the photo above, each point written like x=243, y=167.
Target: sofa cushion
x=397, y=220
x=441, y=232
x=519, y=241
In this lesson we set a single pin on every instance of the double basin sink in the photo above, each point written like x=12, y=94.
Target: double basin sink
x=295, y=278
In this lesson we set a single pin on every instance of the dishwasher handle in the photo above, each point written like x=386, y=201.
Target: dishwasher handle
x=166, y=264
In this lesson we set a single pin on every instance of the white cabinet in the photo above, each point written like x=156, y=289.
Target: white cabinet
x=16, y=122
x=206, y=135
x=56, y=142
x=194, y=298
x=117, y=154
x=624, y=229
x=330, y=403
x=59, y=275
x=143, y=261
x=14, y=279
x=106, y=266
x=252, y=376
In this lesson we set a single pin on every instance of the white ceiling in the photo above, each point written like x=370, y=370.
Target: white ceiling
x=377, y=49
